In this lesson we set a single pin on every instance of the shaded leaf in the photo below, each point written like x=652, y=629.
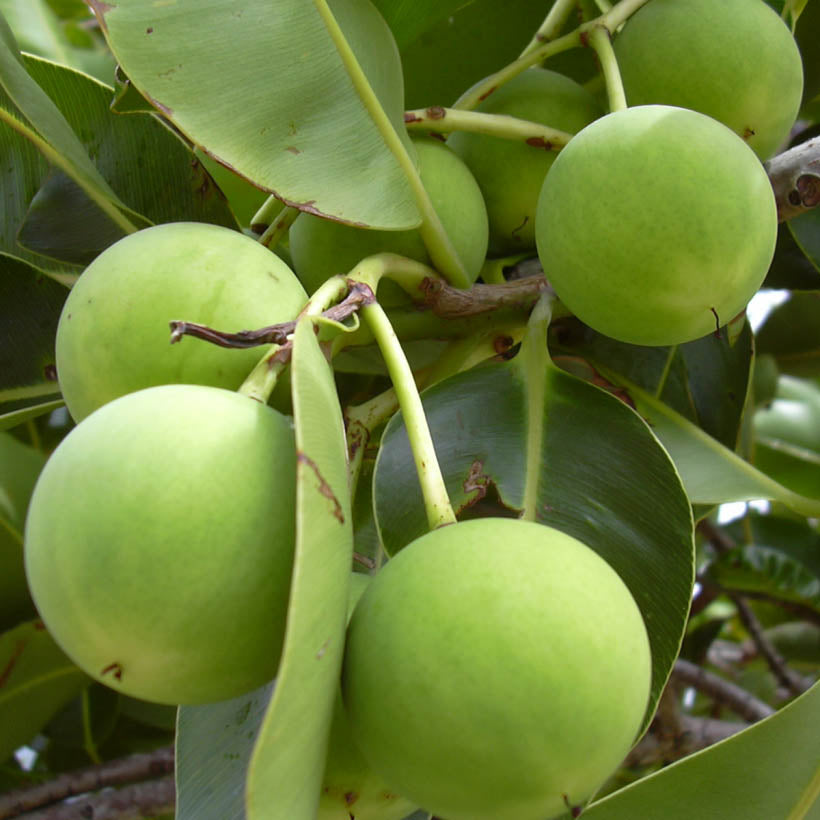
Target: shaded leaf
x=277, y=89
x=790, y=269
x=31, y=410
x=791, y=333
x=581, y=459
x=768, y=770
x=409, y=18
x=30, y=305
x=36, y=680
x=286, y=769
x=213, y=750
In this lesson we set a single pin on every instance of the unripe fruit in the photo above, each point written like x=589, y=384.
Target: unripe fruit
x=656, y=225
x=159, y=543
x=734, y=60
x=510, y=173
x=496, y=669
x=113, y=336
x=321, y=248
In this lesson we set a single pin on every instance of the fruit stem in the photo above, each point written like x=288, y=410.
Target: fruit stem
x=554, y=22
x=610, y=20
x=436, y=500
x=278, y=227
x=444, y=120
x=435, y=238
x=600, y=40
x=534, y=362
x=266, y=214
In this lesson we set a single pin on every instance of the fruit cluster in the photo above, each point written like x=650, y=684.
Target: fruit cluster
x=160, y=535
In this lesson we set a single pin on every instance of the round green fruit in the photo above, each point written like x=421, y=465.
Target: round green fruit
x=734, y=60
x=159, y=543
x=113, y=335
x=19, y=467
x=321, y=248
x=496, y=669
x=656, y=225
x=510, y=173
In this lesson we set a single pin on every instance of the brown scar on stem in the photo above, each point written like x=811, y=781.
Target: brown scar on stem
x=324, y=487
x=358, y=435
x=409, y=116
x=115, y=669
x=15, y=656
x=363, y=560
x=487, y=93
x=501, y=344
x=436, y=112
x=539, y=142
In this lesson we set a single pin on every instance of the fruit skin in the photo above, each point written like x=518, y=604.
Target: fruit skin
x=159, y=543
x=19, y=467
x=510, y=173
x=113, y=335
x=350, y=789
x=656, y=224
x=493, y=667
x=321, y=248
x=734, y=60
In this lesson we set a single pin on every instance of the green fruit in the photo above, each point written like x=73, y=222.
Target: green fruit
x=159, y=543
x=734, y=60
x=656, y=225
x=321, y=248
x=496, y=669
x=19, y=467
x=113, y=336
x=510, y=173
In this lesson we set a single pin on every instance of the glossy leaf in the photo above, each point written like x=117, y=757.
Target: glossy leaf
x=11, y=418
x=30, y=305
x=213, y=750
x=409, y=18
x=791, y=333
x=36, y=680
x=286, y=769
x=806, y=231
x=148, y=165
x=280, y=98
x=770, y=770
x=525, y=432
x=790, y=268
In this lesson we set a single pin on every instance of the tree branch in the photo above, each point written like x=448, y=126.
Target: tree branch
x=795, y=178
x=90, y=779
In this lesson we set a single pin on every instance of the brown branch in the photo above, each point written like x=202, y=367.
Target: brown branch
x=90, y=779
x=795, y=178
x=729, y=694
x=148, y=799
x=448, y=302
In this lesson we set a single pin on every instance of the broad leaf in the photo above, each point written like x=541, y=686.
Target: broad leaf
x=213, y=750
x=31, y=409
x=525, y=434
x=30, y=305
x=791, y=333
x=409, y=18
x=282, y=106
x=36, y=681
x=806, y=231
x=769, y=770
x=286, y=769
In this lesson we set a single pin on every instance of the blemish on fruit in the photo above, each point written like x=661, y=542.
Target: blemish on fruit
x=748, y=133
x=324, y=488
x=351, y=798
x=436, y=112
x=114, y=669
x=293, y=149
x=149, y=30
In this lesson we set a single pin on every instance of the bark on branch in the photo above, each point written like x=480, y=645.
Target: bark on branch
x=795, y=178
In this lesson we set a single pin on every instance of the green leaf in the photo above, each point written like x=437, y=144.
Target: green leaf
x=286, y=770
x=791, y=333
x=790, y=269
x=30, y=305
x=806, y=231
x=711, y=473
x=767, y=771
x=409, y=18
x=36, y=680
x=525, y=434
x=148, y=165
x=12, y=418
x=213, y=750
x=281, y=107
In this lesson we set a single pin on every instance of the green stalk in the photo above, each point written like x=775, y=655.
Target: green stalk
x=267, y=213
x=601, y=42
x=103, y=202
x=554, y=22
x=432, y=232
x=436, y=500
x=611, y=20
x=444, y=120
x=667, y=369
x=278, y=228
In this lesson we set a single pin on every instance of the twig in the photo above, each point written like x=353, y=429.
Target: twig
x=92, y=778
x=449, y=302
x=787, y=677
x=795, y=178
x=729, y=694
x=148, y=799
